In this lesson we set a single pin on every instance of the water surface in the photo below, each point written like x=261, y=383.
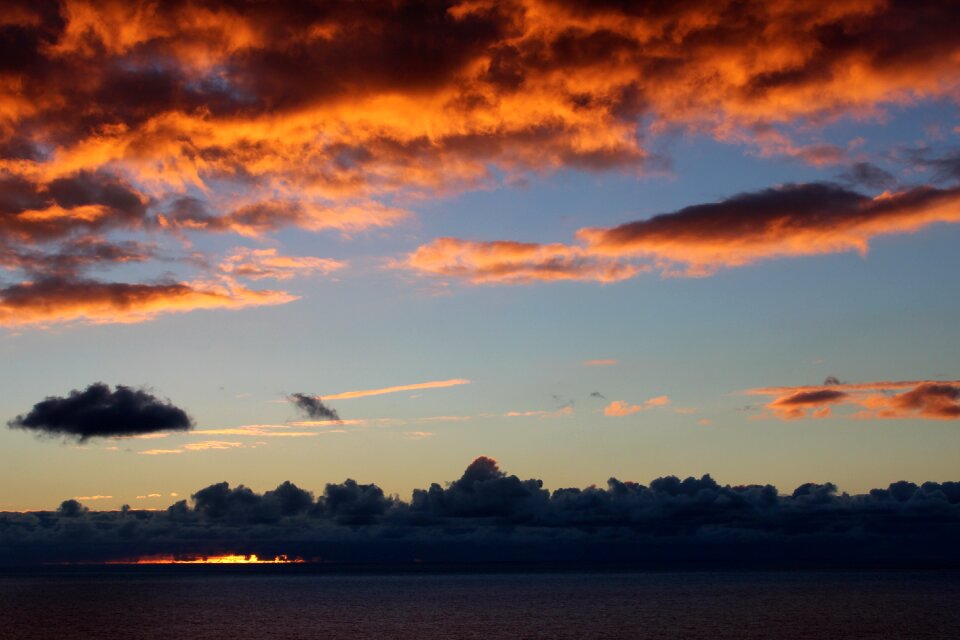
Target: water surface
x=205, y=602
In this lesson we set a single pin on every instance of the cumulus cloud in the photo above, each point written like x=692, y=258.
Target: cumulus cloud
x=99, y=412
x=787, y=221
x=185, y=118
x=489, y=515
x=912, y=399
x=313, y=407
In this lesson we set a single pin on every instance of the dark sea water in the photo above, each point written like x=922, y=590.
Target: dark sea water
x=208, y=602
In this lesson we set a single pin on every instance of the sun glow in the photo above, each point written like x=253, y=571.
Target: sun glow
x=224, y=559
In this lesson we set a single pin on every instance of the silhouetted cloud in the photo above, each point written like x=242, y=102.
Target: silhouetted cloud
x=490, y=515
x=313, y=407
x=99, y=411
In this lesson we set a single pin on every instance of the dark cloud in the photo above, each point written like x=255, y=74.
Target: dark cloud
x=869, y=175
x=818, y=397
x=99, y=411
x=489, y=515
x=313, y=407
x=86, y=202
x=791, y=220
x=71, y=259
x=597, y=394
x=945, y=166
x=59, y=298
x=141, y=116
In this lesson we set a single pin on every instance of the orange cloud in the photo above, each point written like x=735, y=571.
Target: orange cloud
x=438, y=384
x=557, y=413
x=213, y=117
x=54, y=301
x=603, y=362
x=259, y=264
x=257, y=430
x=789, y=221
x=619, y=408
x=212, y=444
x=504, y=262
x=924, y=399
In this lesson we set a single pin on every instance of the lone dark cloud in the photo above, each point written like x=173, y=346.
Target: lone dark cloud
x=98, y=412
x=313, y=407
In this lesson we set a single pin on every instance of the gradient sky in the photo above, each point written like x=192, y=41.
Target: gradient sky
x=706, y=238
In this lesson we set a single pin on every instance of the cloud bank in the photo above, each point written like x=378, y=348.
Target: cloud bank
x=489, y=515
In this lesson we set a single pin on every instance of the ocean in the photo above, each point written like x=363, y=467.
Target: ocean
x=257, y=603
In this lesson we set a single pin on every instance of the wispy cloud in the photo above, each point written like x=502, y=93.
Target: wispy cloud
x=438, y=384
x=619, y=408
x=787, y=221
x=601, y=362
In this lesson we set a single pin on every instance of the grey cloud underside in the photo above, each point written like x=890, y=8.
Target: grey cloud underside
x=488, y=515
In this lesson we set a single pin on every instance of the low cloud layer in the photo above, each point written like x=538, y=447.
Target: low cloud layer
x=489, y=515
x=916, y=399
x=101, y=412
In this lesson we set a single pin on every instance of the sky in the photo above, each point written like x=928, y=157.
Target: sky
x=255, y=242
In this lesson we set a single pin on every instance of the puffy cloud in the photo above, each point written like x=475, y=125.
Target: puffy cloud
x=489, y=515
x=313, y=407
x=788, y=221
x=913, y=399
x=99, y=411
x=482, y=491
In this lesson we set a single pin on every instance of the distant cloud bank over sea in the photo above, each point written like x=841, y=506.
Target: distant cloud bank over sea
x=488, y=515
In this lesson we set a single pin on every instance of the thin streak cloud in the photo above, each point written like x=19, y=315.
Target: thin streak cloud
x=438, y=384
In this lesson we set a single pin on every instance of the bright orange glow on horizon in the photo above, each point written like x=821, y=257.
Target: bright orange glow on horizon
x=224, y=559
